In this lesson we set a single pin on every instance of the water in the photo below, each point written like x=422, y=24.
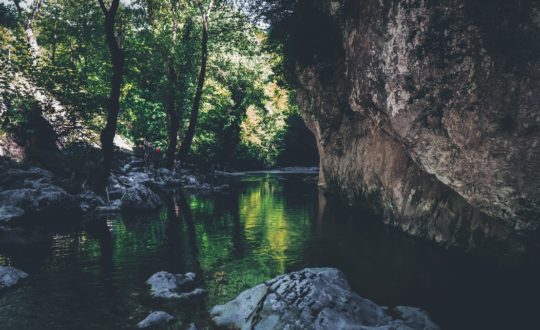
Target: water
x=93, y=277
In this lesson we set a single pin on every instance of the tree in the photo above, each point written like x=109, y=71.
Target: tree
x=188, y=139
x=113, y=103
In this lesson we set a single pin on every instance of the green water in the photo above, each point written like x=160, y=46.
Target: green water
x=93, y=276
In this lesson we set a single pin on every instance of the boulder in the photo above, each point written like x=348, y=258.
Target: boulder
x=10, y=276
x=140, y=198
x=114, y=207
x=318, y=298
x=42, y=199
x=155, y=319
x=174, y=286
x=89, y=201
x=9, y=213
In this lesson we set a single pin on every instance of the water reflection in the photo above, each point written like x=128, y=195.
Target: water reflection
x=267, y=225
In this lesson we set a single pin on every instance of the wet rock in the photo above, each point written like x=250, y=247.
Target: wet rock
x=9, y=213
x=318, y=298
x=140, y=198
x=174, y=286
x=10, y=276
x=155, y=320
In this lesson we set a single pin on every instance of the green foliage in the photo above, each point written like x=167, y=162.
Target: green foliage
x=244, y=114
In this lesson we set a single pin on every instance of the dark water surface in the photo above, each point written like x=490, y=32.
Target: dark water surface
x=267, y=225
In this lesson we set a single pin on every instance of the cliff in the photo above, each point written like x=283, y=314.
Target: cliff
x=429, y=112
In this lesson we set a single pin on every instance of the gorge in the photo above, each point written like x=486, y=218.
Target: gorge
x=429, y=111
x=269, y=164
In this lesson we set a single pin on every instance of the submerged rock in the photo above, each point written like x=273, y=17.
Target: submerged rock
x=140, y=198
x=174, y=286
x=155, y=319
x=318, y=298
x=10, y=276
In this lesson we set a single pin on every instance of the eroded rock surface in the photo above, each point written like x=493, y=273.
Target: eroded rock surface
x=318, y=298
x=430, y=110
x=175, y=286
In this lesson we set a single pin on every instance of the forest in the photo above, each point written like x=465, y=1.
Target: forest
x=197, y=81
x=269, y=164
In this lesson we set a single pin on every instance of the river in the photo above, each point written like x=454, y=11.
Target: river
x=93, y=276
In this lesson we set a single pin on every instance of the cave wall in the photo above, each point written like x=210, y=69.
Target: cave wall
x=429, y=113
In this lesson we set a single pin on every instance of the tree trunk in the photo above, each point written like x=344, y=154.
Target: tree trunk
x=174, y=118
x=177, y=91
x=113, y=103
x=28, y=26
x=188, y=139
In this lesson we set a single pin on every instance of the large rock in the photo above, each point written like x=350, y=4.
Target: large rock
x=174, y=286
x=10, y=276
x=140, y=198
x=42, y=199
x=430, y=110
x=318, y=298
x=10, y=213
x=155, y=320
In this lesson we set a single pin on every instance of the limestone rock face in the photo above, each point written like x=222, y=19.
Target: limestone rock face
x=318, y=298
x=430, y=110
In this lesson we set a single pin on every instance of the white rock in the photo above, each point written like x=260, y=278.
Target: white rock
x=10, y=276
x=174, y=286
x=155, y=319
x=8, y=213
x=318, y=298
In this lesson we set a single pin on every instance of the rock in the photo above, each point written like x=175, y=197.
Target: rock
x=190, y=180
x=192, y=326
x=430, y=121
x=9, y=213
x=43, y=199
x=318, y=298
x=14, y=178
x=140, y=198
x=174, y=286
x=10, y=276
x=114, y=207
x=155, y=319
x=89, y=201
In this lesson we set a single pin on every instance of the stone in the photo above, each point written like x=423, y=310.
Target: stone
x=174, y=286
x=155, y=320
x=430, y=121
x=43, y=199
x=9, y=213
x=10, y=276
x=114, y=207
x=316, y=298
x=140, y=198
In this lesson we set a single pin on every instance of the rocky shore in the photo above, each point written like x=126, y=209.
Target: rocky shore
x=314, y=298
